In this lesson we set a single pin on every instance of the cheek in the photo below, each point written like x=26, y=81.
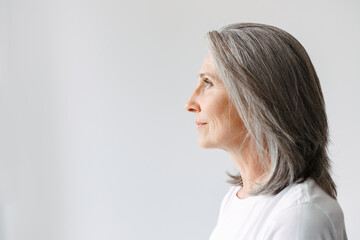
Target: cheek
x=236, y=121
x=216, y=108
x=220, y=117
x=230, y=119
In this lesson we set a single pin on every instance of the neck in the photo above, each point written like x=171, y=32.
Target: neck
x=251, y=172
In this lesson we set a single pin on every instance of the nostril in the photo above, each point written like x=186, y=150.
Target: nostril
x=192, y=110
x=192, y=106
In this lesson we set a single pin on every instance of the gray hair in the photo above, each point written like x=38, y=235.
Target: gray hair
x=273, y=85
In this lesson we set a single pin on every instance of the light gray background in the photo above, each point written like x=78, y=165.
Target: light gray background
x=95, y=142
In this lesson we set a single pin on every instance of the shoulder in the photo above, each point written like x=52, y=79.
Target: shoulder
x=303, y=221
x=310, y=194
x=306, y=211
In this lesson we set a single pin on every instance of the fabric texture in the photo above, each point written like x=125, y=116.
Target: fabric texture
x=301, y=211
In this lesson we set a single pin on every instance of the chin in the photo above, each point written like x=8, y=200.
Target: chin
x=206, y=144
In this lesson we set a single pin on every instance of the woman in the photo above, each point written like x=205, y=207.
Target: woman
x=259, y=98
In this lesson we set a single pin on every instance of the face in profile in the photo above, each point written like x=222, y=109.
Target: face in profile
x=217, y=120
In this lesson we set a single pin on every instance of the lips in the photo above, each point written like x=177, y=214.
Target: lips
x=200, y=123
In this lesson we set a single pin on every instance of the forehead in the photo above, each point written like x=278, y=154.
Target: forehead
x=208, y=62
x=208, y=67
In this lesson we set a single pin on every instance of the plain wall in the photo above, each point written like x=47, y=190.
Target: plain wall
x=95, y=142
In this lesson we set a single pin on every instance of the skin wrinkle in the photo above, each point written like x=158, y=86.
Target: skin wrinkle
x=224, y=129
x=275, y=91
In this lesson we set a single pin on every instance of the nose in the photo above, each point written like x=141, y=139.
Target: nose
x=192, y=105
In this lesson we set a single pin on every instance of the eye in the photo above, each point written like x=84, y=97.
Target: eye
x=208, y=83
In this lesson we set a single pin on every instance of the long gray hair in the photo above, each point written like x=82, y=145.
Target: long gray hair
x=273, y=85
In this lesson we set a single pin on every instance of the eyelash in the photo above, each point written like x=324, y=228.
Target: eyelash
x=208, y=82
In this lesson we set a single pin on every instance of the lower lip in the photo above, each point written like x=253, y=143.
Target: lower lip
x=199, y=126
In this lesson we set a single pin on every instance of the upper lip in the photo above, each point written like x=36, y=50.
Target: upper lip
x=199, y=123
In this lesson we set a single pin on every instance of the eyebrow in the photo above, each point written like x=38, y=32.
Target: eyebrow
x=201, y=75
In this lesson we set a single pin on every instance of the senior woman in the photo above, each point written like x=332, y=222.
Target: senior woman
x=258, y=98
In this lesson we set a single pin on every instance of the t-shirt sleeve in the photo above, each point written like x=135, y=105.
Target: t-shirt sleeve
x=302, y=222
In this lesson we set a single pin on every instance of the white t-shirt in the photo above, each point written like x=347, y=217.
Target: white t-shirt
x=300, y=211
